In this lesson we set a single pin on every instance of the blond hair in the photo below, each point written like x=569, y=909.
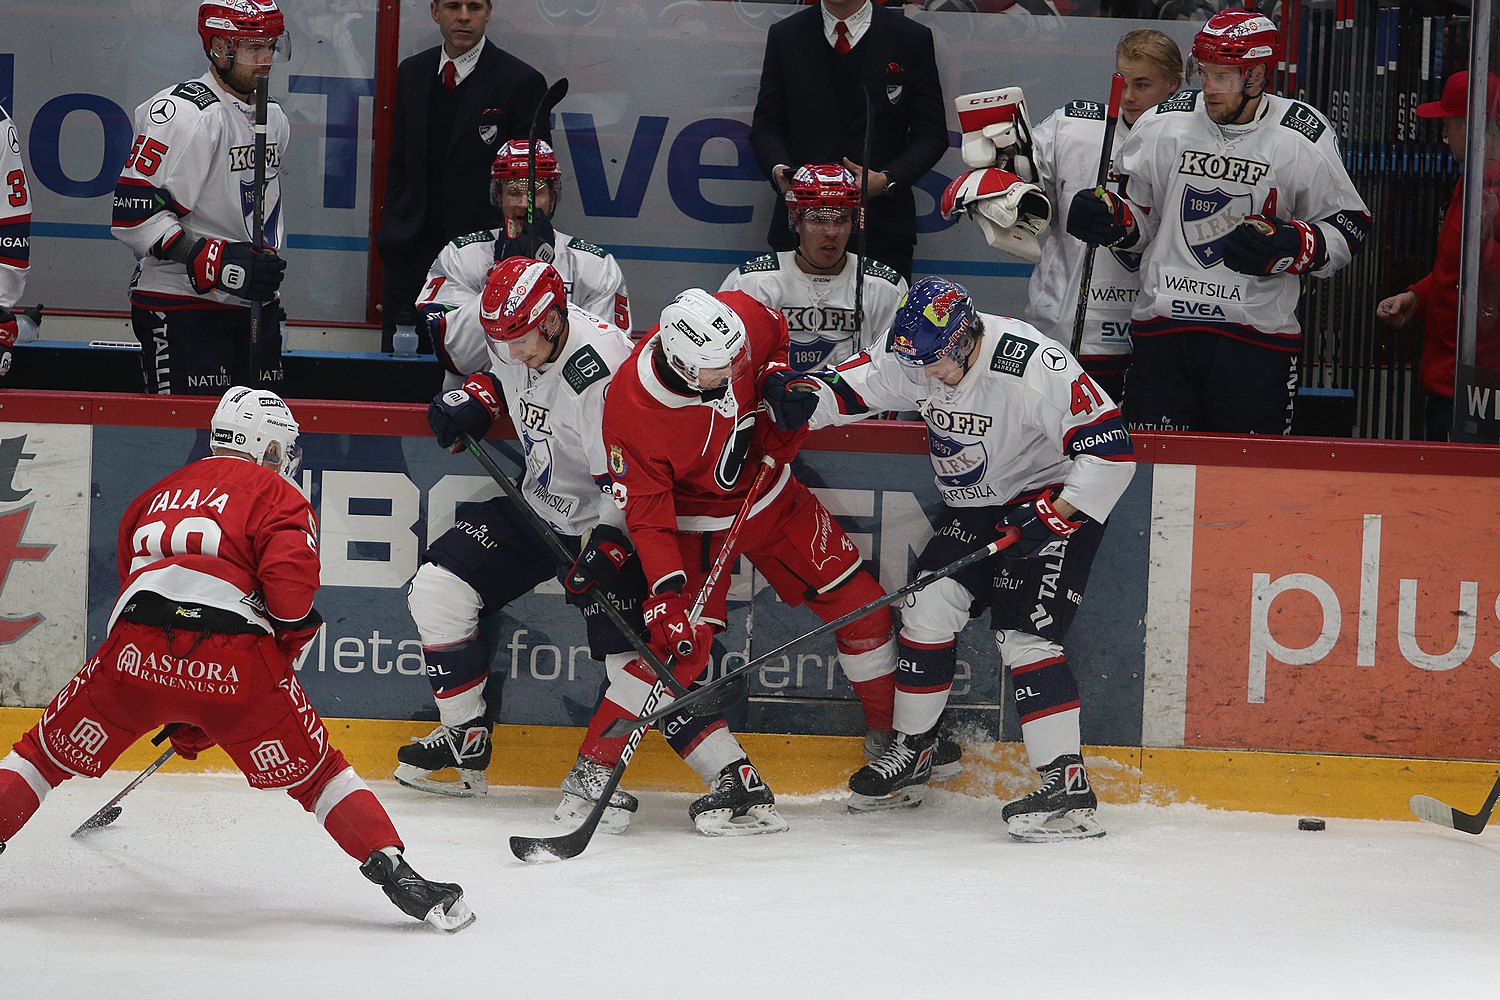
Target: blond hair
x=1151, y=46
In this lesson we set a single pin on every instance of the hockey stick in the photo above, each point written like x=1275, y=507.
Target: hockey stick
x=864, y=207
x=1433, y=811
x=1106, y=151
x=574, y=843
x=550, y=99
x=111, y=810
x=258, y=219
x=542, y=530
x=618, y=727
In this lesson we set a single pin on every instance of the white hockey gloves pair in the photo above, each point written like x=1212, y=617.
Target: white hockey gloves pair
x=1000, y=191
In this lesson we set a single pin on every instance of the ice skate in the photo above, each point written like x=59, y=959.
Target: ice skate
x=897, y=778
x=1062, y=809
x=947, y=755
x=465, y=749
x=581, y=790
x=741, y=804
x=440, y=904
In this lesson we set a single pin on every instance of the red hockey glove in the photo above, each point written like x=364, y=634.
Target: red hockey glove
x=1037, y=524
x=1264, y=245
x=236, y=268
x=1101, y=219
x=791, y=396
x=8, y=333
x=190, y=741
x=599, y=564
x=670, y=633
x=472, y=407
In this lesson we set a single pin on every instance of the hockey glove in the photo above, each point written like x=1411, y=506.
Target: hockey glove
x=1036, y=525
x=537, y=244
x=470, y=408
x=604, y=555
x=791, y=397
x=292, y=637
x=236, y=268
x=190, y=741
x=8, y=333
x=669, y=631
x=1263, y=245
x=1101, y=219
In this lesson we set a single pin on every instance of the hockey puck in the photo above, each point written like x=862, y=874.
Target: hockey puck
x=1308, y=823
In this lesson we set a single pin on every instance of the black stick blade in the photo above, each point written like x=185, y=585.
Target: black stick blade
x=99, y=820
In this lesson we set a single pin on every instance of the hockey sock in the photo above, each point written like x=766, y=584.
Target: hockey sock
x=595, y=746
x=923, y=678
x=1047, y=702
x=22, y=789
x=352, y=815
x=879, y=699
x=867, y=646
x=457, y=674
x=713, y=750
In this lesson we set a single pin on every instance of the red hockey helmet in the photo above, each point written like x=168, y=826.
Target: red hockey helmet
x=237, y=19
x=510, y=161
x=1240, y=38
x=518, y=294
x=822, y=186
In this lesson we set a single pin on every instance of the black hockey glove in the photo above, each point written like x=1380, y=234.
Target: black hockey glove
x=599, y=564
x=470, y=408
x=1037, y=524
x=1101, y=219
x=791, y=397
x=8, y=333
x=236, y=268
x=1264, y=245
x=537, y=244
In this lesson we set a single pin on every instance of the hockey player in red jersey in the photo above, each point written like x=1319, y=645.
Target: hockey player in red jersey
x=218, y=566
x=184, y=206
x=685, y=438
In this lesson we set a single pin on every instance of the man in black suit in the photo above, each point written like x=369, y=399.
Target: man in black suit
x=456, y=103
x=810, y=110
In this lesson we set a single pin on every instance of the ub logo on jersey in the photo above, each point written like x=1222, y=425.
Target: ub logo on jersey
x=955, y=463
x=1210, y=216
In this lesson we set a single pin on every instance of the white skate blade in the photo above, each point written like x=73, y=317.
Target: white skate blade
x=902, y=798
x=1040, y=828
x=454, y=919
x=468, y=783
x=574, y=809
x=757, y=820
x=947, y=772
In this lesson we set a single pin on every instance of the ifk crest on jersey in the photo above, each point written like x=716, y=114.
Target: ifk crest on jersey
x=956, y=464
x=1208, y=217
x=247, y=205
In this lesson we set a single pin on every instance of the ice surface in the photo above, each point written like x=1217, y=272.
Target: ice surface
x=207, y=890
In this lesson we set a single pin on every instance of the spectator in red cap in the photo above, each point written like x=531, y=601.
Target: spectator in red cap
x=1435, y=296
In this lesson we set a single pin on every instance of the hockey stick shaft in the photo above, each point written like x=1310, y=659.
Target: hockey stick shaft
x=618, y=727
x=103, y=817
x=550, y=99
x=572, y=844
x=1106, y=151
x=862, y=244
x=258, y=212
x=1428, y=808
x=541, y=529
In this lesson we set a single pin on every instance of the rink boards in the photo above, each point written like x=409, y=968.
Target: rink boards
x=1269, y=621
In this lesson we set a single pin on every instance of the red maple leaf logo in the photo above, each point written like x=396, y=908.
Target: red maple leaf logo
x=12, y=527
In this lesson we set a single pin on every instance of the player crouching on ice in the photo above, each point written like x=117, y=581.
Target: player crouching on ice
x=1023, y=442
x=225, y=580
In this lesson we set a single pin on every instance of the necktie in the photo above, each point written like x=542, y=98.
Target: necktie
x=450, y=75
x=842, y=45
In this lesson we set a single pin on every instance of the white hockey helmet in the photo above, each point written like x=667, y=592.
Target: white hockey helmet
x=258, y=423
x=700, y=332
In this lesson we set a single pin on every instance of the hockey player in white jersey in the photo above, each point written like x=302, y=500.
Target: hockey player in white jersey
x=1066, y=151
x=814, y=285
x=1023, y=443
x=184, y=205
x=1231, y=195
x=15, y=236
x=548, y=364
x=590, y=273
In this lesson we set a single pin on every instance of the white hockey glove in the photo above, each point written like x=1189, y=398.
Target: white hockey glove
x=1011, y=212
x=997, y=131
